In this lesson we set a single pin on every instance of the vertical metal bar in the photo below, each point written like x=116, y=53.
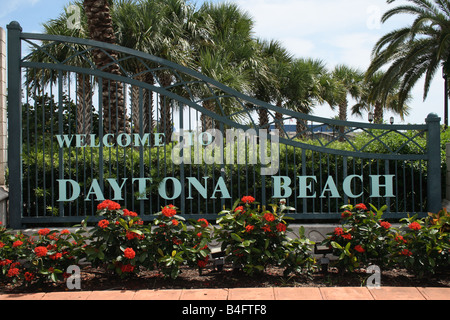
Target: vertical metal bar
x=141, y=147
x=60, y=131
x=344, y=175
x=305, y=202
x=182, y=179
x=15, y=124
x=386, y=172
x=434, y=197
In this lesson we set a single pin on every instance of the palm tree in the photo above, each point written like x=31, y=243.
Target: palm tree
x=229, y=56
x=276, y=59
x=350, y=80
x=414, y=51
x=100, y=27
x=303, y=87
x=138, y=27
x=370, y=100
x=62, y=52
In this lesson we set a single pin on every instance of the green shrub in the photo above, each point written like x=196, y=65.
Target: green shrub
x=118, y=240
x=254, y=239
x=421, y=246
x=363, y=238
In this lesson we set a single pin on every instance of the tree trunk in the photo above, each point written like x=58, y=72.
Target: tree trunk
x=165, y=109
x=301, y=128
x=101, y=29
x=84, y=106
x=147, y=106
x=279, y=121
x=263, y=118
x=378, y=113
x=343, y=117
x=207, y=122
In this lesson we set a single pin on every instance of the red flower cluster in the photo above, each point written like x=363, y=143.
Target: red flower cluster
x=269, y=217
x=400, y=238
x=108, y=204
x=29, y=276
x=204, y=222
x=169, y=211
x=415, y=226
x=129, y=253
x=248, y=199
x=203, y=263
x=361, y=206
x=130, y=235
x=359, y=248
x=127, y=268
x=239, y=208
x=17, y=243
x=249, y=228
x=338, y=231
x=281, y=227
x=266, y=228
x=103, y=223
x=12, y=272
x=44, y=232
x=128, y=213
x=346, y=214
x=385, y=224
x=406, y=252
x=40, y=251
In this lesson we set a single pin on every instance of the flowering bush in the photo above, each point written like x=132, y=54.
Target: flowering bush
x=422, y=245
x=168, y=241
x=253, y=238
x=44, y=256
x=118, y=240
x=362, y=239
x=197, y=244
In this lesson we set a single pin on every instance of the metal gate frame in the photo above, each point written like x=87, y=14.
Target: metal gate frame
x=188, y=79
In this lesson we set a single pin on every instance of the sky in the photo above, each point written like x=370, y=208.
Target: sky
x=336, y=31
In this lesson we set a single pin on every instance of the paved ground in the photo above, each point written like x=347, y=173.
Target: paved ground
x=303, y=293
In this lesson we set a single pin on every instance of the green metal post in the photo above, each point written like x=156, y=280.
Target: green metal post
x=434, y=198
x=15, y=125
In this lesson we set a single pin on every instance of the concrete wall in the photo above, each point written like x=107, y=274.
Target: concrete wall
x=3, y=128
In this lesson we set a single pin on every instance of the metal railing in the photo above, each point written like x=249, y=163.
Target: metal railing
x=78, y=134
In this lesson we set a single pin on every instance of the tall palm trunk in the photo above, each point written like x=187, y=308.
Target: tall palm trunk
x=147, y=106
x=165, y=111
x=207, y=122
x=342, y=116
x=84, y=106
x=279, y=121
x=263, y=118
x=301, y=127
x=101, y=29
x=378, y=112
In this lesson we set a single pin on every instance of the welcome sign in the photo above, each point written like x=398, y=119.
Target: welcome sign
x=211, y=147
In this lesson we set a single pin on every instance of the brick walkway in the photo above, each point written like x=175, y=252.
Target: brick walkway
x=302, y=293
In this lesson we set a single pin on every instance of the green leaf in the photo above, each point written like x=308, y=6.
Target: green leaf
x=161, y=253
x=336, y=245
x=236, y=237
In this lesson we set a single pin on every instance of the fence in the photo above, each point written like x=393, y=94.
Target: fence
x=154, y=133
